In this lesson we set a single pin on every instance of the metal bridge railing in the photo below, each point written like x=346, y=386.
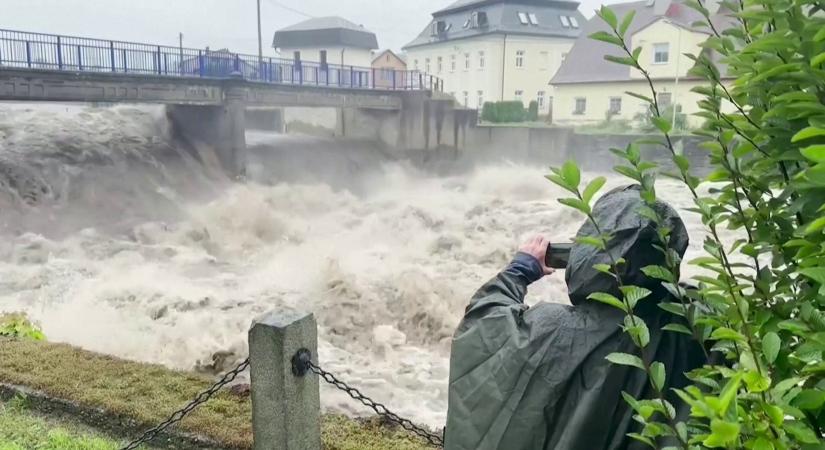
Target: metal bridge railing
x=19, y=49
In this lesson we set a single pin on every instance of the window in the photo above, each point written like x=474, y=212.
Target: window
x=581, y=105
x=661, y=53
x=480, y=99
x=615, y=105
x=296, y=56
x=533, y=19
x=440, y=66
x=466, y=61
x=481, y=59
x=323, y=58
x=540, y=100
x=522, y=17
x=519, y=58
x=665, y=100
x=519, y=95
x=427, y=65
x=466, y=99
x=415, y=64
x=544, y=60
x=452, y=63
x=573, y=21
x=565, y=22
x=468, y=22
x=388, y=56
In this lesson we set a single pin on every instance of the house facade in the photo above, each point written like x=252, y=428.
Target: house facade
x=327, y=41
x=389, y=70
x=495, y=50
x=589, y=90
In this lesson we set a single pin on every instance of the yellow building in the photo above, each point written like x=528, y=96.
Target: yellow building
x=589, y=88
x=492, y=50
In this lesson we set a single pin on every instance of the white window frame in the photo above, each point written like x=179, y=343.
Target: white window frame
x=520, y=59
x=519, y=96
x=540, y=99
x=452, y=63
x=565, y=21
x=573, y=21
x=480, y=99
x=440, y=64
x=427, y=66
x=466, y=62
x=522, y=17
x=466, y=99
x=544, y=60
x=656, y=52
x=534, y=20
x=481, y=60
x=610, y=108
x=415, y=64
x=576, y=110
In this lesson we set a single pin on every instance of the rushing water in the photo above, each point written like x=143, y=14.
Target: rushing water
x=118, y=241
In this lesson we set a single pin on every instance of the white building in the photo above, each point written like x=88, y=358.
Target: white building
x=588, y=88
x=327, y=40
x=494, y=50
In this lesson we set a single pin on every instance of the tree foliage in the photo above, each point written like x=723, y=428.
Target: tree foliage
x=759, y=304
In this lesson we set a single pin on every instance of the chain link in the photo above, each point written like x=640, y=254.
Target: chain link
x=432, y=438
x=178, y=415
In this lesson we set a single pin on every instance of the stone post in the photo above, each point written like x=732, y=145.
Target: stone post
x=285, y=406
x=234, y=157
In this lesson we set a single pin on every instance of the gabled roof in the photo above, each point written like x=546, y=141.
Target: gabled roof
x=380, y=54
x=585, y=62
x=322, y=31
x=503, y=18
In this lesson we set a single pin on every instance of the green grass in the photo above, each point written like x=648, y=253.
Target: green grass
x=149, y=393
x=21, y=429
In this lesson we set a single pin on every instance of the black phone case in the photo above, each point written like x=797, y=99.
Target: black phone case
x=558, y=255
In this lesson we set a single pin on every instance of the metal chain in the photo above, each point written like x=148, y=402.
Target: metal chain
x=178, y=415
x=432, y=438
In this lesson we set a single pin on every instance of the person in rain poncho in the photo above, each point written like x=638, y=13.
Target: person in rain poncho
x=528, y=378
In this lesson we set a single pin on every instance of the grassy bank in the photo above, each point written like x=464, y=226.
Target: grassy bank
x=22, y=429
x=147, y=394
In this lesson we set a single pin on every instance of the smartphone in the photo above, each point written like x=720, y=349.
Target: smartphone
x=558, y=255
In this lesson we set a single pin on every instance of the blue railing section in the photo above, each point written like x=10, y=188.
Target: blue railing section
x=19, y=49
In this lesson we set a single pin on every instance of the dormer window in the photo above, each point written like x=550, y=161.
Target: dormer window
x=533, y=19
x=574, y=22
x=522, y=17
x=440, y=27
x=565, y=21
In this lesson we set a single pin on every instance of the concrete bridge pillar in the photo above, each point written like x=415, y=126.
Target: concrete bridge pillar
x=214, y=132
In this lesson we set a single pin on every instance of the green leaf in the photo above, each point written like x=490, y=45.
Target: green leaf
x=727, y=334
x=558, y=180
x=801, y=432
x=608, y=16
x=640, y=97
x=607, y=37
x=657, y=375
x=770, y=346
x=623, y=60
x=593, y=188
x=632, y=294
x=626, y=21
x=603, y=268
x=815, y=226
x=571, y=173
x=810, y=399
x=591, y=241
x=815, y=153
x=678, y=328
x=760, y=444
x=818, y=60
x=756, y=382
x=808, y=133
x=659, y=273
x=820, y=35
x=575, y=203
x=815, y=273
x=625, y=359
x=608, y=299
x=681, y=162
x=722, y=433
x=637, y=329
x=662, y=124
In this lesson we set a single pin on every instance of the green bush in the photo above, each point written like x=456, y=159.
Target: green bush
x=533, y=111
x=504, y=112
x=18, y=326
x=758, y=306
x=644, y=120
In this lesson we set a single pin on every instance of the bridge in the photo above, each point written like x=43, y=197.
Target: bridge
x=208, y=90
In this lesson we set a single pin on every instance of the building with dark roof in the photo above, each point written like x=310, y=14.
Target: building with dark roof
x=331, y=40
x=589, y=88
x=492, y=50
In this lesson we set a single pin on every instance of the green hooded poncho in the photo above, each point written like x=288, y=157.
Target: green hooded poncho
x=531, y=378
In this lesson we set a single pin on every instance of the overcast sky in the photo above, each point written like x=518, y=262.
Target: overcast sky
x=218, y=23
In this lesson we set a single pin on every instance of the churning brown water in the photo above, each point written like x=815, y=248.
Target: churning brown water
x=116, y=240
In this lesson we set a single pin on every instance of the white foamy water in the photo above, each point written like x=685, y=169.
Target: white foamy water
x=172, y=272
